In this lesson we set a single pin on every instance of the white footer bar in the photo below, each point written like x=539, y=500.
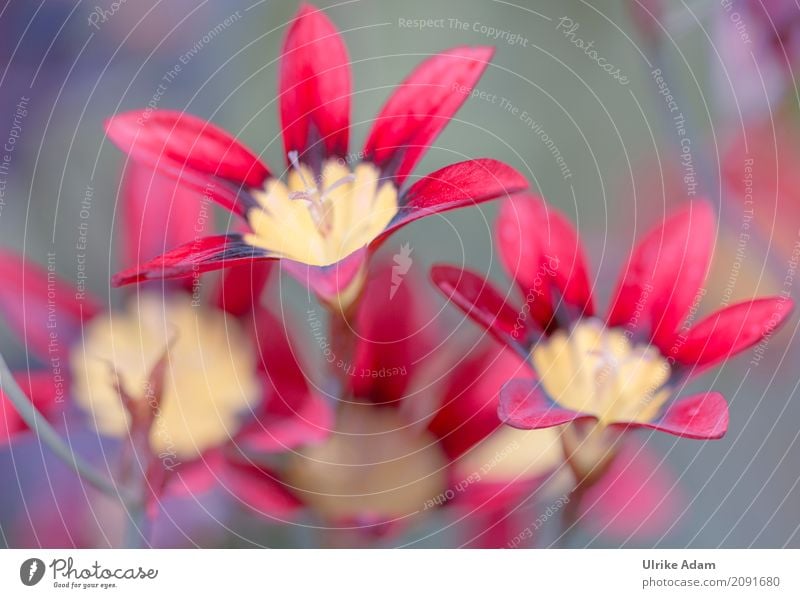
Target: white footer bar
x=408, y=573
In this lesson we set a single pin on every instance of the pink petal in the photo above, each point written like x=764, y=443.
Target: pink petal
x=484, y=304
x=203, y=255
x=44, y=311
x=159, y=212
x=638, y=497
x=664, y=273
x=701, y=417
x=456, y=186
x=171, y=141
x=524, y=405
x=732, y=330
x=552, y=257
x=314, y=87
x=328, y=282
x=421, y=107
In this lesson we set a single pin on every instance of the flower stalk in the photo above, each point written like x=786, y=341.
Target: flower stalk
x=47, y=434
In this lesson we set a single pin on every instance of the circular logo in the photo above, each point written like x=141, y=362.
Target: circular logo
x=31, y=572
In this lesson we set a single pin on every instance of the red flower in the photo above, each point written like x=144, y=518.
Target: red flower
x=416, y=427
x=625, y=369
x=194, y=396
x=328, y=215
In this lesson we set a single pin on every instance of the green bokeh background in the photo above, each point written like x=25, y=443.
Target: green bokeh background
x=615, y=139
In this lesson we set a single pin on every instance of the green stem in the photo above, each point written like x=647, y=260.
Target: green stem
x=136, y=527
x=47, y=434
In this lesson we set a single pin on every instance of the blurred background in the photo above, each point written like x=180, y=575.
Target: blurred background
x=677, y=100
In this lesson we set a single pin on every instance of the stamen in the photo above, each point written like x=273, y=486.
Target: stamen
x=349, y=178
x=319, y=219
x=294, y=160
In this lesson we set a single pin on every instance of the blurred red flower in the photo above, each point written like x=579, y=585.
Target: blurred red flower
x=185, y=377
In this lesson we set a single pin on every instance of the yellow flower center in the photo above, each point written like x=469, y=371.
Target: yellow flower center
x=373, y=465
x=597, y=370
x=209, y=379
x=321, y=221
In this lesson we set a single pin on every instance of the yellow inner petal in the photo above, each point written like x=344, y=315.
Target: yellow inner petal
x=510, y=455
x=597, y=370
x=321, y=222
x=372, y=465
x=210, y=378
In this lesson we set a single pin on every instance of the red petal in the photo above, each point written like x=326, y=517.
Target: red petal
x=702, y=417
x=732, y=330
x=292, y=413
x=524, y=405
x=44, y=311
x=421, y=107
x=638, y=497
x=553, y=255
x=196, y=477
x=484, y=304
x=241, y=286
x=43, y=390
x=159, y=212
x=203, y=255
x=175, y=141
x=314, y=87
x=665, y=272
x=329, y=281
x=389, y=352
x=456, y=186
